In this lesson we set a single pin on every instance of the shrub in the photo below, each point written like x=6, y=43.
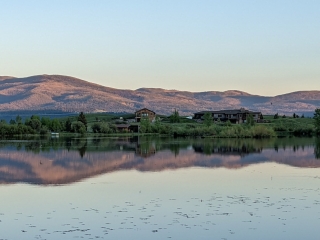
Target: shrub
x=43, y=130
x=260, y=131
x=78, y=127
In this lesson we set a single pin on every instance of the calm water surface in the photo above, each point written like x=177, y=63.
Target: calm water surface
x=156, y=188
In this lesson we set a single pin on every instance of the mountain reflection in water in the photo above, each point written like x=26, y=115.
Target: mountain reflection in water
x=67, y=160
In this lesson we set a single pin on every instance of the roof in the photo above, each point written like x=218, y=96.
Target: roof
x=122, y=125
x=228, y=111
x=145, y=109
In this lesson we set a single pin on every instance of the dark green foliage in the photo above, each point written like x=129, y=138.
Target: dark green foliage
x=101, y=128
x=293, y=126
x=10, y=130
x=276, y=116
x=78, y=127
x=228, y=123
x=284, y=116
x=45, y=121
x=44, y=130
x=18, y=119
x=68, y=125
x=12, y=122
x=207, y=119
x=222, y=131
x=55, y=125
x=175, y=118
x=145, y=126
x=250, y=120
x=157, y=124
x=34, y=123
x=306, y=131
x=35, y=117
x=316, y=118
x=96, y=128
x=82, y=118
x=317, y=148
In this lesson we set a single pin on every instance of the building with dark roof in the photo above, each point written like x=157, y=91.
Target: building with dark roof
x=145, y=113
x=234, y=116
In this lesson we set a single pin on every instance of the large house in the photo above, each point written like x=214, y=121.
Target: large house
x=145, y=113
x=234, y=116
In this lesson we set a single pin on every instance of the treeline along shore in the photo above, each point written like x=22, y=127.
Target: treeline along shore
x=174, y=125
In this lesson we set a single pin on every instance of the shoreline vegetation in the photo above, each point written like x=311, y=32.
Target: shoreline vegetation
x=99, y=124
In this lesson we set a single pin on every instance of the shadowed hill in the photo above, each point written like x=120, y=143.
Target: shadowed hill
x=56, y=92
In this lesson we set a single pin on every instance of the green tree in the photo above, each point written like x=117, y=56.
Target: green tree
x=18, y=119
x=78, y=127
x=45, y=121
x=207, y=119
x=55, y=125
x=316, y=118
x=145, y=125
x=228, y=123
x=157, y=123
x=96, y=127
x=34, y=123
x=82, y=118
x=68, y=125
x=44, y=130
x=250, y=120
x=276, y=116
x=317, y=148
x=175, y=118
x=104, y=128
x=35, y=117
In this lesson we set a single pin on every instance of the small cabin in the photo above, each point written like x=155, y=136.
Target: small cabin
x=145, y=113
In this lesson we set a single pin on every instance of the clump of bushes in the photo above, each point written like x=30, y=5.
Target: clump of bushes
x=102, y=127
x=227, y=131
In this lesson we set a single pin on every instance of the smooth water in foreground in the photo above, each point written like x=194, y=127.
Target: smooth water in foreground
x=155, y=188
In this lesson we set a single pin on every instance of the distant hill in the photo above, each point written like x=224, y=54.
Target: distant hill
x=5, y=77
x=68, y=94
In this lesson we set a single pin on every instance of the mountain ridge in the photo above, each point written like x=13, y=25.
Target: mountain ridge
x=69, y=94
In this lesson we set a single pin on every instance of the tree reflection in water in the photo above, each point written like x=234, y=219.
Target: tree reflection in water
x=317, y=148
x=71, y=159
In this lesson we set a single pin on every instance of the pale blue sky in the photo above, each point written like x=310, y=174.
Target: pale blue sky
x=261, y=47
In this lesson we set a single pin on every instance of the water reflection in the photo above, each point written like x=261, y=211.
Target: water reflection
x=317, y=148
x=66, y=160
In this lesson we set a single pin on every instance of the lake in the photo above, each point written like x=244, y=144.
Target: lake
x=159, y=188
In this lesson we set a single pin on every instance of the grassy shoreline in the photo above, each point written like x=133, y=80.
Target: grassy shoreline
x=106, y=126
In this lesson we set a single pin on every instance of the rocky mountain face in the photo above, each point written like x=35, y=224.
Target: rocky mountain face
x=55, y=92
